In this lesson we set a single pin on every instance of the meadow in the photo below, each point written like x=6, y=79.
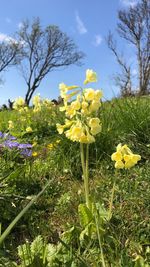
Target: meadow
x=63, y=227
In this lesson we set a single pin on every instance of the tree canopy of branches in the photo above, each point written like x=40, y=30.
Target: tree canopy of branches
x=44, y=50
x=9, y=53
x=134, y=27
x=123, y=80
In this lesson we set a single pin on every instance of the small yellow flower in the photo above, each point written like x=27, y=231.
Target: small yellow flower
x=91, y=76
x=60, y=128
x=58, y=141
x=29, y=130
x=34, y=154
x=124, y=157
x=50, y=146
x=10, y=125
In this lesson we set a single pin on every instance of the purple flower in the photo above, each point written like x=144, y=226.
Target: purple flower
x=24, y=146
x=1, y=135
x=8, y=136
x=26, y=152
x=10, y=144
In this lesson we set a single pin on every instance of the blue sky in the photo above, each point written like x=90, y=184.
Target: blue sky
x=86, y=22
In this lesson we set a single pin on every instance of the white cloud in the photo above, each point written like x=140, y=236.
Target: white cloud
x=80, y=25
x=97, y=40
x=6, y=38
x=129, y=3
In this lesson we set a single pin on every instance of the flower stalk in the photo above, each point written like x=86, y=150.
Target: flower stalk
x=85, y=169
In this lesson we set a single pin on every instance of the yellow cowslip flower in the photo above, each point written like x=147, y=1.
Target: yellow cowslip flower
x=37, y=108
x=60, y=128
x=64, y=89
x=75, y=132
x=10, y=125
x=117, y=156
x=76, y=105
x=34, y=154
x=94, y=106
x=91, y=76
x=124, y=157
x=119, y=164
x=19, y=103
x=131, y=160
x=84, y=105
x=89, y=94
x=90, y=138
x=36, y=100
x=98, y=95
x=70, y=111
x=95, y=130
x=94, y=122
x=80, y=111
x=29, y=130
x=68, y=123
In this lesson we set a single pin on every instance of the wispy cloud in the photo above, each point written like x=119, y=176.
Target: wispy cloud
x=129, y=3
x=80, y=25
x=97, y=40
x=6, y=38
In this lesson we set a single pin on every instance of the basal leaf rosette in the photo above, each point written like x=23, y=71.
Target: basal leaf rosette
x=81, y=123
x=124, y=157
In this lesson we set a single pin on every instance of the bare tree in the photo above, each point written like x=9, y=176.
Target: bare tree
x=44, y=50
x=123, y=79
x=134, y=27
x=9, y=53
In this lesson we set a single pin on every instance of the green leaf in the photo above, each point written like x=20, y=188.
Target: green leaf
x=85, y=215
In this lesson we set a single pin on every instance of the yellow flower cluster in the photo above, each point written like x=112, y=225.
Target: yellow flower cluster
x=38, y=103
x=19, y=104
x=81, y=124
x=124, y=158
x=51, y=146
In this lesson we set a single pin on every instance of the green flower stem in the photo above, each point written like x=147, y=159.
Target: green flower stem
x=85, y=169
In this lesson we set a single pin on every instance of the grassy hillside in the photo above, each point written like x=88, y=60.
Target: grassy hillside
x=126, y=236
